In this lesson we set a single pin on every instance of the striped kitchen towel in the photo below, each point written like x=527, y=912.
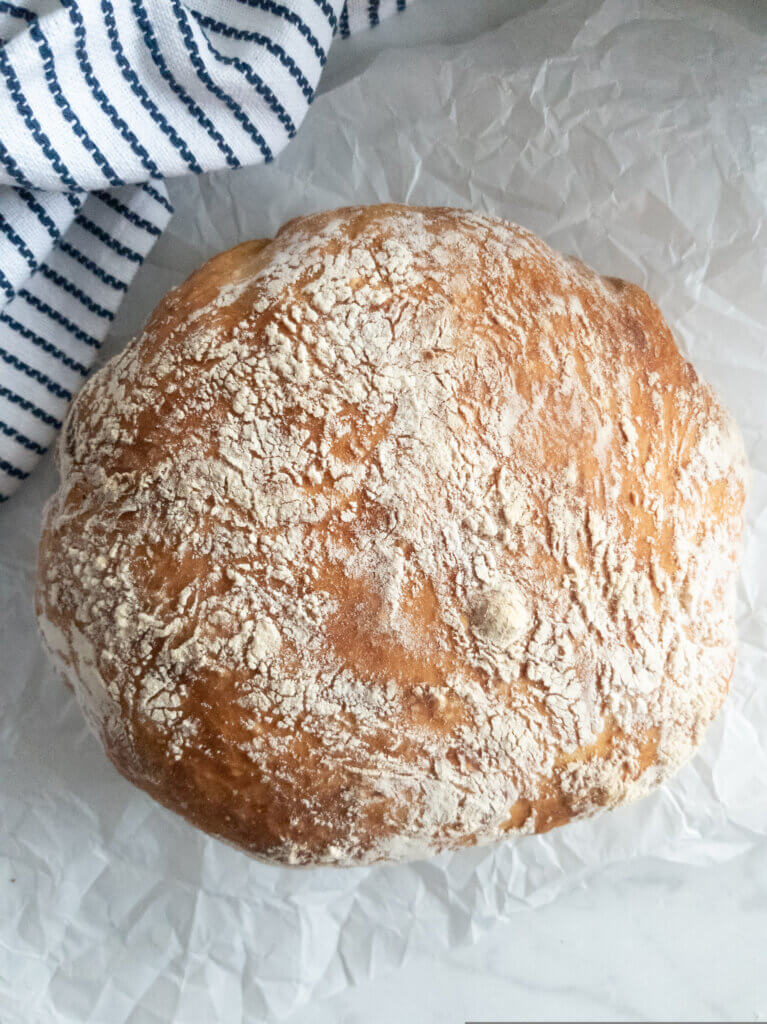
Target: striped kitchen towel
x=100, y=100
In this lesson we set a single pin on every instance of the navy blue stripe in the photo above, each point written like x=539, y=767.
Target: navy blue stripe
x=401, y=5
x=205, y=21
x=6, y=285
x=45, y=346
x=13, y=168
x=43, y=307
x=157, y=196
x=49, y=70
x=343, y=23
x=22, y=439
x=328, y=11
x=140, y=92
x=14, y=471
x=40, y=212
x=98, y=93
x=259, y=85
x=94, y=268
x=194, y=109
x=45, y=144
x=128, y=214
x=290, y=16
x=15, y=238
x=183, y=23
x=103, y=236
x=30, y=371
x=71, y=289
x=16, y=12
x=373, y=13
x=30, y=407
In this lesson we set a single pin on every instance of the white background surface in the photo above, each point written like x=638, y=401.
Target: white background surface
x=112, y=910
x=655, y=941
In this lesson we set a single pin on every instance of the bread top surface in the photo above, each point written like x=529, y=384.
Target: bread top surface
x=397, y=533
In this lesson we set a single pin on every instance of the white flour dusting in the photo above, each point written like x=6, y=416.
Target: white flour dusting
x=421, y=498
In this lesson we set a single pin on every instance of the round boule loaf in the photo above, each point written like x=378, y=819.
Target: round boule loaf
x=397, y=533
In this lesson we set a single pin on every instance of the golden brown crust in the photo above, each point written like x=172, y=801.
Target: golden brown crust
x=396, y=533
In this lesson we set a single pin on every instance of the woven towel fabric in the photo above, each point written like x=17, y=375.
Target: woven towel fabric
x=100, y=100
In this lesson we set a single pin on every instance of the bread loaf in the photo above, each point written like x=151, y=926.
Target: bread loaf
x=397, y=533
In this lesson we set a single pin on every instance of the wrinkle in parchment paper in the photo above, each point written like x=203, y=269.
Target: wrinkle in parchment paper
x=631, y=134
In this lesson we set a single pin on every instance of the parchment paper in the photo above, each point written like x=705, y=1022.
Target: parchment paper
x=632, y=134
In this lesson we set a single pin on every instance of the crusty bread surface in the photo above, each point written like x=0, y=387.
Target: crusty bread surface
x=397, y=533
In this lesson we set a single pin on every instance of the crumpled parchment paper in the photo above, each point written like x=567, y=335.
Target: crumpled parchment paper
x=630, y=133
